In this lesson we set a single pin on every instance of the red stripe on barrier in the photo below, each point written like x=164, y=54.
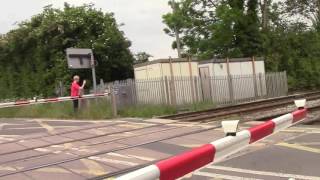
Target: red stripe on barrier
x=51, y=100
x=261, y=131
x=21, y=102
x=299, y=114
x=75, y=97
x=183, y=164
x=98, y=94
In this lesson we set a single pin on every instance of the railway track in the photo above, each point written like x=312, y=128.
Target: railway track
x=244, y=108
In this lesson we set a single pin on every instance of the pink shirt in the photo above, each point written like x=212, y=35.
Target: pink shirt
x=75, y=89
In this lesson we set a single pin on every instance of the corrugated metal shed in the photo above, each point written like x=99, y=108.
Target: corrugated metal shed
x=234, y=66
x=166, y=67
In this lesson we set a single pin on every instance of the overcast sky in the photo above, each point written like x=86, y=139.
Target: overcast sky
x=142, y=19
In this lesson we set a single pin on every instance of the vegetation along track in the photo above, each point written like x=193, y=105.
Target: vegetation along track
x=242, y=108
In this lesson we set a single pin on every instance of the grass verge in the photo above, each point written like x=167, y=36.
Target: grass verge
x=95, y=109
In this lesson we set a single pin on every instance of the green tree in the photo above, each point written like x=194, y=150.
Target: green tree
x=308, y=9
x=141, y=57
x=33, y=60
x=252, y=45
x=216, y=28
x=286, y=33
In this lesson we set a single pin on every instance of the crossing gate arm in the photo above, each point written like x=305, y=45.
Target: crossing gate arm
x=50, y=100
x=180, y=165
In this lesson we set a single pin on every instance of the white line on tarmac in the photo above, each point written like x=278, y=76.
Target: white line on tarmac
x=222, y=176
x=9, y=135
x=40, y=127
x=264, y=173
x=70, y=120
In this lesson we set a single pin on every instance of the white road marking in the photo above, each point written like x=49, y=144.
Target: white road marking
x=128, y=156
x=41, y=127
x=69, y=120
x=264, y=173
x=6, y=138
x=107, y=160
x=5, y=124
x=4, y=135
x=222, y=176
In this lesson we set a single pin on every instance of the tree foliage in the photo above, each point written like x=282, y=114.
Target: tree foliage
x=32, y=56
x=306, y=9
x=216, y=28
x=286, y=33
x=141, y=57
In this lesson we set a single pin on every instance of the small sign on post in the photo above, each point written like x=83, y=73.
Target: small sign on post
x=82, y=59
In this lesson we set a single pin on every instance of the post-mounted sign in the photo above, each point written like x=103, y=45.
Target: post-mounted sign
x=79, y=58
x=82, y=59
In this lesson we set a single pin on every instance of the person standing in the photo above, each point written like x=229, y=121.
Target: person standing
x=76, y=91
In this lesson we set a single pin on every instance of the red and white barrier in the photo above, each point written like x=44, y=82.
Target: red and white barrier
x=180, y=165
x=49, y=100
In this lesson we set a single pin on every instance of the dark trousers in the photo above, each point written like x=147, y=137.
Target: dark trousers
x=75, y=105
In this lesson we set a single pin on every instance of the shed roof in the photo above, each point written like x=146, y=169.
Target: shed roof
x=174, y=60
x=230, y=60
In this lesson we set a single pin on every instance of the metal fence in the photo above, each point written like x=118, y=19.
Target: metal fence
x=187, y=90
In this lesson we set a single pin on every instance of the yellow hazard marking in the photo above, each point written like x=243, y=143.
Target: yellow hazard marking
x=94, y=168
x=142, y=158
x=222, y=176
x=49, y=128
x=121, y=135
x=184, y=125
x=130, y=125
x=303, y=130
x=300, y=147
x=7, y=168
x=96, y=131
x=258, y=145
x=262, y=173
x=52, y=170
x=42, y=150
x=311, y=143
x=67, y=145
x=294, y=131
x=190, y=145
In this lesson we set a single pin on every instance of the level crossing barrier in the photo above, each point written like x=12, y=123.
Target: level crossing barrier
x=180, y=165
x=50, y=100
